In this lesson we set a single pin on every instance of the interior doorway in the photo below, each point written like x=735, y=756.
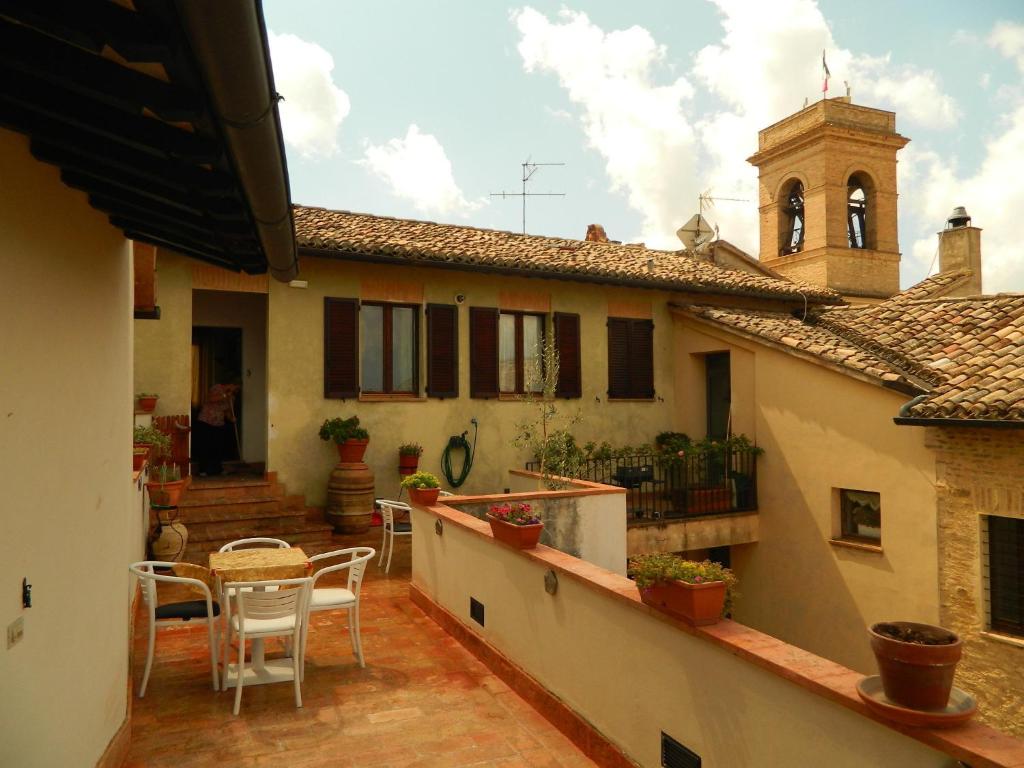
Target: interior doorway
x=719, y=394
x=217, y=360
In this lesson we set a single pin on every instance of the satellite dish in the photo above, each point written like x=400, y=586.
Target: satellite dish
x=694, y=232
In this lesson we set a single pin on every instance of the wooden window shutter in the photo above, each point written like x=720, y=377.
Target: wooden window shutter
x=442, y=350
x=341, y=348
x=567, y=343
x=618, y=357
x=641, y=353
x=483, y=352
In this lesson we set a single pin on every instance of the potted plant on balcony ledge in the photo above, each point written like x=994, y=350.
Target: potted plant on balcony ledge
x=423, y=487
x=515, y=524
x=698, y=593
x=166, y=485
x=153, y=440
x=147, y=401
x=350, y=438
x=409, y=458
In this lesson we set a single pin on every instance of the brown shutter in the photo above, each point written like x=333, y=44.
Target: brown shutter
x=641, y=354
x=341, y=348
x=442, y=350
x=618, y=357
x=567, y=342
x=483, y=352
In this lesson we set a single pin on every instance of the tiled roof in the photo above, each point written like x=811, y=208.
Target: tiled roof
x=965, y=354
x=408, y=241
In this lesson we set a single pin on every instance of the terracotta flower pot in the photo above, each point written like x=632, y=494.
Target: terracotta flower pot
x=166, y=494
x=424, y=497
x=518, y=536
x=696, y=604
x=139, y=456
x=916, y=675
x=148, y=404
x=351, y=451
x=407, y=464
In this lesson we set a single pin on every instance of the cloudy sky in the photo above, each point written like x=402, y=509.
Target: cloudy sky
x=422, y=109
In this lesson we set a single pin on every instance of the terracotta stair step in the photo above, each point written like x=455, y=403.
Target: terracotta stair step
x=229, y=508
x=278, y=528
x=316, y=538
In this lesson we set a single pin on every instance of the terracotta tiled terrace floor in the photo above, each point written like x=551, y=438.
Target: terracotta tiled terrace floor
x=422, y=700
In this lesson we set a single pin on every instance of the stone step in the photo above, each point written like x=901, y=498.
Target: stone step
x=316, y=538
x=205, y=489
x=236, y=509
x=278, y=527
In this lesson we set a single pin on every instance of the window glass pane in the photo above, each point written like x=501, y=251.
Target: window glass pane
x=507, y=353
x=403, y=349
x=861, y=514
x=372, y=348
x=533, y=333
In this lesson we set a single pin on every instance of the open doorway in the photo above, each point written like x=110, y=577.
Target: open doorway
x=217, y=411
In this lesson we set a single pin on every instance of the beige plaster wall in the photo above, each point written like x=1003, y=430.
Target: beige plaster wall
x=822, y=431
x=980, y=472
x=163, y=348
x=633, y=676
x=247, y=311
x=297, y=405
x=69, y=521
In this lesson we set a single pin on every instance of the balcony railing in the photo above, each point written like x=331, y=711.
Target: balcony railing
x=661, y=486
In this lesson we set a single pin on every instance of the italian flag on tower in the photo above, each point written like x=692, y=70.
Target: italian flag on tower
x=825, y=73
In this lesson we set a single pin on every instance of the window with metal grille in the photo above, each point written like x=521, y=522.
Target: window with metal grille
x=1006, y=574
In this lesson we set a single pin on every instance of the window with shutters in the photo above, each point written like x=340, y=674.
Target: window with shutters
x=483, y=352
x=389, y=336
x=567, y=345
x=520, y=352
x=1003, y=543
x=442, y=350
x=341, y=348
x=630, y=358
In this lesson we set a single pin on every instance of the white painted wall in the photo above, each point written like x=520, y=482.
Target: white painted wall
x=68, y=517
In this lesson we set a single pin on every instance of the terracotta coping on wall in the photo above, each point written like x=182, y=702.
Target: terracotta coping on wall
x=583, y=488
x=974, y=743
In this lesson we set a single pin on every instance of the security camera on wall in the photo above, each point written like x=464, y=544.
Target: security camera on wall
x=460, y=298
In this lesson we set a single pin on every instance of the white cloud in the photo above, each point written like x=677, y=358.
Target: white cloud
x=637, y=125
x=313, y=107
x=660, y=150
x=1008, y=38
x=417, y=169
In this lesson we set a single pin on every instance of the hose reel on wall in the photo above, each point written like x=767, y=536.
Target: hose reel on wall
x=459, y=443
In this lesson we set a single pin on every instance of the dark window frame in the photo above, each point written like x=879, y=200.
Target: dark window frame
x=520, y=358
x=848, y=530
x=387, y=348
x=1005, y=586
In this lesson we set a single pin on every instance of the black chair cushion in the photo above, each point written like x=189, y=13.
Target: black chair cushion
x=403, y=527
x=190, y=609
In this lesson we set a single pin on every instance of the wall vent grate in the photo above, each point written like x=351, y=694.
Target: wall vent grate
x=476, y=611
x=675, y=755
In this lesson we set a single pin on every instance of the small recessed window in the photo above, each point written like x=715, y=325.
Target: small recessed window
x=1005, y=574
x=861, y=515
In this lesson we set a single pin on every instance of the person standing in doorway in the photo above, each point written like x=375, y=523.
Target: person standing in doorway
x=215, y=431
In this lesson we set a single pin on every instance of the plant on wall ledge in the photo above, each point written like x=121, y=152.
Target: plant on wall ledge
x=697, y=592
x=350, y=438
x=159, y=442
x=423, y=487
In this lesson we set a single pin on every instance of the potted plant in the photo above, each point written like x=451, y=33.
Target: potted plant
x=515, y=524
x=350, y=438
x=166, y=485
x=698, y=593
x=409, y=457
x=151, y=438
x=147, y=401
x=423, y=487
x=916, y=663
x=139, y=455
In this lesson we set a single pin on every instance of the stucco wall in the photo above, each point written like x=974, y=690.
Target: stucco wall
x=163, y=348
x=822, y=431
x=247, y=311
x=980, y=472
x=298, y=407
x=632, y=675
x=69, y=519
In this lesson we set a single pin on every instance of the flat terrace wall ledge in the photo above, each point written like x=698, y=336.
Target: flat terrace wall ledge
x=616, y=672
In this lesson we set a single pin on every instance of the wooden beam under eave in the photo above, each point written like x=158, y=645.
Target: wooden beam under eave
x=110, y=183
x=240, y=254
x=172, y=219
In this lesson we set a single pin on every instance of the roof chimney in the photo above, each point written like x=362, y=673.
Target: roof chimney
x=596, y=234
x=960, y=248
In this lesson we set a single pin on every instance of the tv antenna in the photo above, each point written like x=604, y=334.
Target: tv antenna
x=528, y=170
x=697, y=234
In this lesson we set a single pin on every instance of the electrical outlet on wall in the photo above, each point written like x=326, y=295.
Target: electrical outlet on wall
x=15, y=631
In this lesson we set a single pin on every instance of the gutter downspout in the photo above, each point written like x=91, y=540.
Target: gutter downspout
x=228, y=38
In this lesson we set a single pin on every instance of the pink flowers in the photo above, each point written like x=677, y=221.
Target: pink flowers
x=514, y=514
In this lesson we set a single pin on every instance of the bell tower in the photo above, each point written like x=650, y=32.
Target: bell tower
x=827, y=198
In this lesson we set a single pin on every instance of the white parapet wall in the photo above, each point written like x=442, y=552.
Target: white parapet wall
x=733, y=695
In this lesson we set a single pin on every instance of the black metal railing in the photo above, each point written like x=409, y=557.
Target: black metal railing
x=665, y=486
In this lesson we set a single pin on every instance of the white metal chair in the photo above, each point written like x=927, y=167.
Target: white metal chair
x=231, y=546
x=202, y=611
x=337, y=598
x=444, y=493
x=392, y=528
x=260, y=614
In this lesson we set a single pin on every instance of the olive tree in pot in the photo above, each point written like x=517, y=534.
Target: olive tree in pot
x=698, y=593
x=350, y=438
x=423, y=487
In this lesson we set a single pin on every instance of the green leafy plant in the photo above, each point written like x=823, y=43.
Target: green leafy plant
x=672, y=442
x=165, y=473
x=421, y=480
x=514, y=514
x=147, y=394
x=339, y=430
x=152, y=436
x=649, y=570
x=410, y=449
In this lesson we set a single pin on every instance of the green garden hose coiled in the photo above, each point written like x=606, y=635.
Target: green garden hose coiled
x=455, y=443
